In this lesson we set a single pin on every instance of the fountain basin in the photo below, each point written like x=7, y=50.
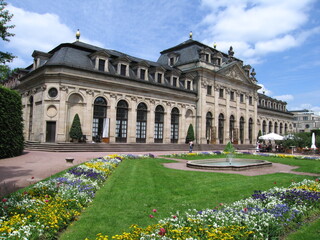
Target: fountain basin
x=237, y=164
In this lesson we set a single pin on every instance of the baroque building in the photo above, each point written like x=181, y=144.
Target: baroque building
x=124, y=99
x=305, y=120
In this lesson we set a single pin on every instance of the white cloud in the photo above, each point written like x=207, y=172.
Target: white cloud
x=263, y=90
x=34, y=31
x=286, y=98
x=259, y=27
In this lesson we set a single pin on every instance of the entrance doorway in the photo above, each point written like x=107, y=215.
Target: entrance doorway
x=51, y=132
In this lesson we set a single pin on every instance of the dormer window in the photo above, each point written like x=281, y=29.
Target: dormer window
x=123, y=70
x=174, y=81
x=172, y=58
x=142, y=74
x=159, y=77
x=102, y=65
x=100, y=60
x=40, y=58
x=207, y=57
x=189, y=85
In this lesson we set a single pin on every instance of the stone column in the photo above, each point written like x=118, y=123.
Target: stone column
x=132, y=121
x=150, y=122
x=112, y=115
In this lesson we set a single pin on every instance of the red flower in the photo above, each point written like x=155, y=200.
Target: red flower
x=174, y=216
x=154, y=210
x=275, y=182
x=317, y=180
x=162, y=232
x=32, y=177
x=245, y=209
x=151, y=216
x=46, y=200
x=221, y=204
x=4, y=200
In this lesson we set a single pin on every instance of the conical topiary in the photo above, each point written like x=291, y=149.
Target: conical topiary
x=75, y=131
x=229, y=148
x=190, y=134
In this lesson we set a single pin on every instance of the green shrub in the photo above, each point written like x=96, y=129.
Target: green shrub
x=11, y=125
x=75, y=131
x=190, y=134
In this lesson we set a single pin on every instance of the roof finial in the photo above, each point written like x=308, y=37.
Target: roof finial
x=214, y=45
x=190, y=35
x=78, y=35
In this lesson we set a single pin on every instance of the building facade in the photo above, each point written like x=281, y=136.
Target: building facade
x=124, y=99
x=305, y=120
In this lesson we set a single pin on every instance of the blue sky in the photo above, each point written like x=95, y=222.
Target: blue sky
x=279, y=39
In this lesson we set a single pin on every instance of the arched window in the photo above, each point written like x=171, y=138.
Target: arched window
x=141, y=130
x=264, y=127
x=276, y=127
x=174, y=125
x=270, y=127
x=122, y=120
x=231, y=128
x=285, y=128
x=30, y=116
x=221, y=128
x=281, y=128
x=99, y=125
x=158, y=124
x=208, y=126
x=241, y=130
x=250, y=130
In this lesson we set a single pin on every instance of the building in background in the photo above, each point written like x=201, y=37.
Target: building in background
x=124, y=99
x=305, y=120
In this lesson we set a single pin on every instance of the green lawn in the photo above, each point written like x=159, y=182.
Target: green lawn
x=140, y=185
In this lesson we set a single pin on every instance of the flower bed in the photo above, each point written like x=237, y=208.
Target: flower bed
x=49, y=206
x=265, y=215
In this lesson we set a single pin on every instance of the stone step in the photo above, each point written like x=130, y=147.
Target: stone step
x=122, y=147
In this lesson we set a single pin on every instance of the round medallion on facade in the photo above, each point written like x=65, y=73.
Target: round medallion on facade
x=52, y=111
x=53, y=92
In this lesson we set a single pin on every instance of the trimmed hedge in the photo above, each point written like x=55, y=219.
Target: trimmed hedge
x=11, y=125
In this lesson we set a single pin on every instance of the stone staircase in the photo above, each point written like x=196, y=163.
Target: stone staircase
x=123, y=147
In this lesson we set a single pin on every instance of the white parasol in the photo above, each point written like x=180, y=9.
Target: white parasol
x=271, y=136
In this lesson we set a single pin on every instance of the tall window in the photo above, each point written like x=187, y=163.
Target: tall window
x=221, y=92
x=99, y=115
x=209, y=90
x=270, y=127
x=241, y=130
x=208, y=126
x=158, y=124
x=141, y=129
x=174, y=81
x=121, y=123
x=159, y=77
x=264, y=127
x=30, y=116
x=231, y=128
x=241, y=98
x=281, y=128
x=101, y=65
x=276, y=127
x=142, y=74
x=174, y=125
x=123, y=70
x=232, y=96
x=250, y=130
x=285, y=128
x=221, y=128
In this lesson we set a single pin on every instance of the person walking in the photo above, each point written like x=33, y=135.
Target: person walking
x=190, y=146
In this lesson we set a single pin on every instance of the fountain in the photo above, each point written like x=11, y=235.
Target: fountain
x=230, y=163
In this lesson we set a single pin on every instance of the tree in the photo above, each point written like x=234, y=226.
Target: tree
x=5, y=17
x=190, y=134
x=6, y=72
x=11, y=122
x=75, y=131
x=259, y=135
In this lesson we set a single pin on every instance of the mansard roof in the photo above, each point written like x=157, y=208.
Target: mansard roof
x=188, y=52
